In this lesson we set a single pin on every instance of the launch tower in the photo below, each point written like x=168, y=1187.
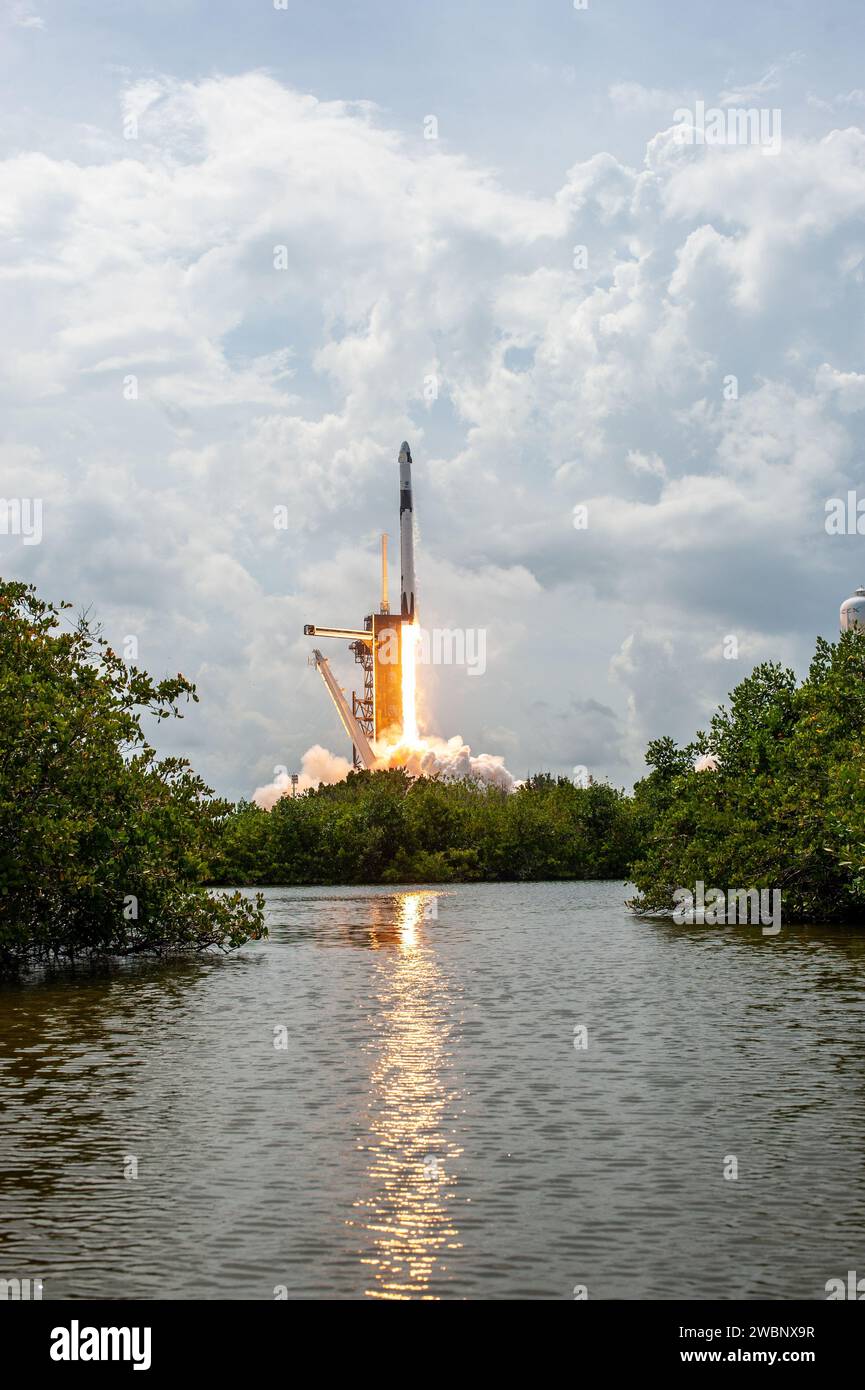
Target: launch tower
x=377, y=713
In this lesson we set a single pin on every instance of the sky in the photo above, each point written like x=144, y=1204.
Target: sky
x=246, y=250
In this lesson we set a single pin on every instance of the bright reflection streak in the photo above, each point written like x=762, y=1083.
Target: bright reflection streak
x=410, y=913
x=406, y=1209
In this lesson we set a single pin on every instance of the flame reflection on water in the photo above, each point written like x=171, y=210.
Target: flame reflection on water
x=407, y=1208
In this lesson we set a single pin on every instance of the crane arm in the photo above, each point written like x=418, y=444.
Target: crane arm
x=349, y=722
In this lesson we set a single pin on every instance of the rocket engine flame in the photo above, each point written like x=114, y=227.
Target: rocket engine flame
x=408, y=655
x=426, y=755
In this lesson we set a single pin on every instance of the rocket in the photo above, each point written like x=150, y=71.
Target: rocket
x=406, y=534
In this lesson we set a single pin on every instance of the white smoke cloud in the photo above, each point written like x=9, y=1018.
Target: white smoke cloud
x=707, y=762
x=451, y=760
x=317, y=765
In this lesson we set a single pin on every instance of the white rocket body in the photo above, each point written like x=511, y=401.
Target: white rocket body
x=406, y=534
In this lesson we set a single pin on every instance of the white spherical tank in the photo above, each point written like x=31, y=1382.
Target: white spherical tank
x=853, y=611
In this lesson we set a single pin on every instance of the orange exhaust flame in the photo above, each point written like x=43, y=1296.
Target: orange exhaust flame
x=408, y=654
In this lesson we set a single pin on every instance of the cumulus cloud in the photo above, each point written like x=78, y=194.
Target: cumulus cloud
x=848, y=387
x=220, y=331
x=650, y=464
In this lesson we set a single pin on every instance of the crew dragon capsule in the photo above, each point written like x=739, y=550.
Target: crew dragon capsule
x=406, y=534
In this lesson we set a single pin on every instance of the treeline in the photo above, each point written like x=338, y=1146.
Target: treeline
x=385, y=827
x=780, y=805
x=783, y=807
x=104, y=847
x=107, y=850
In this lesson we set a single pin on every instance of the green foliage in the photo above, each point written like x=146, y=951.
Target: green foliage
x=103, y=849
x=385, y=827
x=785, y=807
x=90, y=820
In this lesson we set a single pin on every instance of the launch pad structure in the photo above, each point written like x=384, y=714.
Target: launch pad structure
x=377, y=647
x=377, y=713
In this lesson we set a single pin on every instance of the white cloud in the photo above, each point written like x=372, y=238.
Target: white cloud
x=651, y=464
x=750, y=92
x=260, y=387
x=854, y=99
x=20, y=14
x=849, y=387
x=633, y=97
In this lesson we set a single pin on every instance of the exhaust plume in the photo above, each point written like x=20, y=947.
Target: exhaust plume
x=450, y=759
x=317, y=765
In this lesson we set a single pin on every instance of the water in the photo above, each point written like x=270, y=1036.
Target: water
x=429, y=1129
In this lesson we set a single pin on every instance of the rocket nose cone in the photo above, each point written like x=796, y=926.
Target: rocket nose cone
x=404, y=452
